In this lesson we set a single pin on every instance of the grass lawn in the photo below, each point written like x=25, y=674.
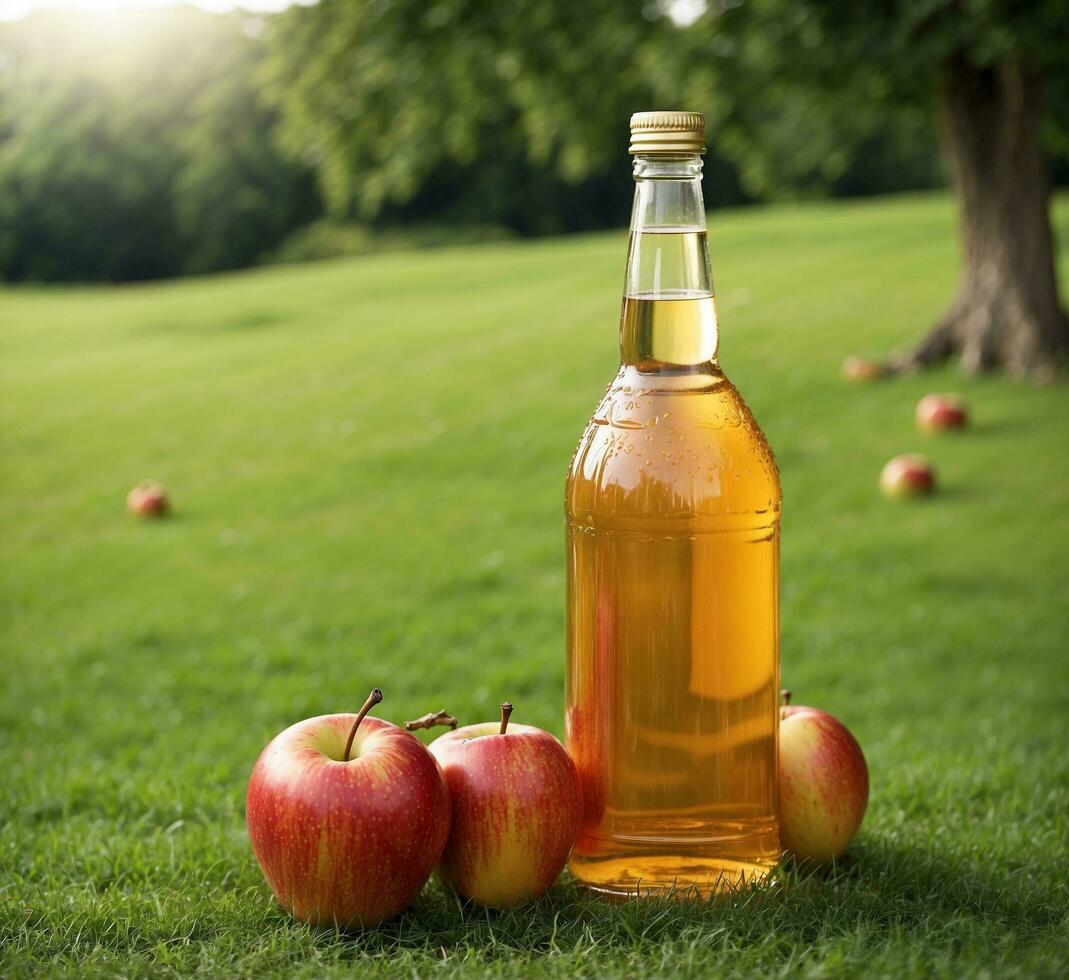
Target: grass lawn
x=367, y=459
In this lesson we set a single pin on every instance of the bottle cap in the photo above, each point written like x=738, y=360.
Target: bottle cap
x=667, y=132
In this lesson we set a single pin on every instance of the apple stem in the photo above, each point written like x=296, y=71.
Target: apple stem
x=785, y=696
x=506, y=711
x=372, y=699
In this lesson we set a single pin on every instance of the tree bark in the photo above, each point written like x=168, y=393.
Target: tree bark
x=1006, y=314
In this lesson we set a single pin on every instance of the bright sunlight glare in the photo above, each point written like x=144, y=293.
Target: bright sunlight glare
x=17, y=9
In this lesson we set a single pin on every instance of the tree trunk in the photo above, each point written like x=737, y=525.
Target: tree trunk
x=1006, y=314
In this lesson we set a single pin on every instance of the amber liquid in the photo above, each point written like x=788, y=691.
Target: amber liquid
x=673, y=504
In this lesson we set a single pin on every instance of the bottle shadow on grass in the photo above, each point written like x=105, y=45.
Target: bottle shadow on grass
x=885, y=890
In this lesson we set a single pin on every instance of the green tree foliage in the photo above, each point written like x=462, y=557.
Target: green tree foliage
x=389, y=97
x=238, y=193
x=136, y=147
x=795, y=87
x=477, y=107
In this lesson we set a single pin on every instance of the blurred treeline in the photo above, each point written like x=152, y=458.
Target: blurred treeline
x=175, y=141
x=139, y=146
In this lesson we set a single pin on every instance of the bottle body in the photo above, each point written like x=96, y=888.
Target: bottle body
x=673, y=504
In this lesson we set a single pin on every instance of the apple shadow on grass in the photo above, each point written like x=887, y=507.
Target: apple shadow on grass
x=883, y=891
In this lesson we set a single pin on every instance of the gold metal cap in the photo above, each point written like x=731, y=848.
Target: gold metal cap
x=667, y=132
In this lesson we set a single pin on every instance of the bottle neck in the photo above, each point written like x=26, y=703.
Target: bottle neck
x=668, y=324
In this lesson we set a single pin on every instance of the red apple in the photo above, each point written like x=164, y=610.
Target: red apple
x=147, y=499
x=823, y=784
x=516, y=811
x=348, y=817
x=861, y=369
x=908, y=475
x=937, y=413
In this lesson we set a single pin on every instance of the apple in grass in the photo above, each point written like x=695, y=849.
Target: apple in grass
x=938, y=413
x=147, y=499
x=862, y=369
x=908, y=475
x=823, y=783
x=517, y=807
x=348, y=816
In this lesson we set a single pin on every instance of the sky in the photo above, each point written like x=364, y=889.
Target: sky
x=16, y=9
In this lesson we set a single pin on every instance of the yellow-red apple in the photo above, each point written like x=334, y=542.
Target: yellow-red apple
x=147, y=499
x=823, y=784
x=517, y=806
x=908, y=475
x=348, y=816
x=862, y=369
x=938, y=413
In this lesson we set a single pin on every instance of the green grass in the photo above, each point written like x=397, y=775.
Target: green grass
x=367, y=459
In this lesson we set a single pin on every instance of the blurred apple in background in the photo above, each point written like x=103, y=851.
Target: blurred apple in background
x=516, y=811
x=861, y=369
x=147, y=499
x=348, y=817
x=938, y=413
x=908, y=475
x=823, y=783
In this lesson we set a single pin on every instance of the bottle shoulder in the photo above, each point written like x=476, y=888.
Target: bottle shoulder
x=677, y=449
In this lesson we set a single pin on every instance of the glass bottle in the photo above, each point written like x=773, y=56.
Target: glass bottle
x=673, y=506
